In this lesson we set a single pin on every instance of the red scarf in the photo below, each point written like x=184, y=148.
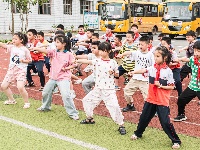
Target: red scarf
x=81, y=33
x=108, y=36
x=158, y=68
x=136, y=36
x=41, y=41
x=196, y=62
x=150, y=47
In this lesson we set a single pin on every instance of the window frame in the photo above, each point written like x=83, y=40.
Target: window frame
x=46, y=5
x=67, y=7
x=83, y=4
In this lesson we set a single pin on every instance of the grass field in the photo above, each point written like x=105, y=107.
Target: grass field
x=103, y=134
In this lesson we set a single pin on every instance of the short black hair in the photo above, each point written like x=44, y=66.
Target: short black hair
x=96, y=34
x=150, y=37
x=59, y=32
x=91, y=30
x=134, y=25
x=131, y=33
x=60, y=26
x=96, y=43
x=191, y=33
x=81, y=26
x=197, y=45
x=32, y=31
x=119, y=37
x=145, y=39
x=161, y=35
x=167, y=40
x=41, y=33
x=109, y=26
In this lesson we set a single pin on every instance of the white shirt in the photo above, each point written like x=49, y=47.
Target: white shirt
x=81, y=38
x=17, y=54
x=142, y=60
x=103, y=79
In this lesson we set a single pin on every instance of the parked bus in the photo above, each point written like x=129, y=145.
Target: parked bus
x=195, y=25
x=147, y=15
x=177, y=18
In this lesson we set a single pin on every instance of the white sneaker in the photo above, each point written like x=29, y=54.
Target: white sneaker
x=79, y=81
x=27, y=105
x=134, y=137
x=176, y=146
x=73, y=94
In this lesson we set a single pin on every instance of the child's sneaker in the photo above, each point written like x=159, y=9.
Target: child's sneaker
x=126, y=81
x=117, y=88
x=180, y=118
x=176, y=146
x=41, y=89
x=10, y=102
x=79, y=81
x=134, y=137
x=129, y=108
x=27, y=105
x=122, y=130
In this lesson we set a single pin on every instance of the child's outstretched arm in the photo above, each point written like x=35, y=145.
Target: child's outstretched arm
x=124, y=54
x=184, y=59
x=42, y=50
x=83, y=61
x=140, y=71
x=81, y=57
x=3, y=45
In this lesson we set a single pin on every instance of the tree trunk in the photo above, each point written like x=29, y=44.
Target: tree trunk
x=129, y=13
x=21, y=15
x=13, y=20
x=27, y=15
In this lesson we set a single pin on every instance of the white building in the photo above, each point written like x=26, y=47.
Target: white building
x=54, y=12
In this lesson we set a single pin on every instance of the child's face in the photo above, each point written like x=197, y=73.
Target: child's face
x=129, y=38
x=197, y=52
x=40, y=38
x=158, y=57
x=16, y=41
x=103, y=54
x=89, y=34
x=164, y=43
x=80, y=30
x=116, y=40
x=108, y=31
x=31, y=36
x=190, y=38
x=94, y=38
x=134, y=29
x=59, y=45
x=143, y=46
x=95, y=49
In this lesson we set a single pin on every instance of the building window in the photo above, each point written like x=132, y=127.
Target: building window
x=85, y=6
x=45, y=8
x=17, y=10
x=67, y=7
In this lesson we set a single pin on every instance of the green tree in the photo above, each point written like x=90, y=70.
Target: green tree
x=23, y=6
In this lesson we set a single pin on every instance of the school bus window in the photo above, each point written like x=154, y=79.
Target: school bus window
x=139, y=11
x=154, y=11
x=147, y=11
x=161, y=12
x=196, y=12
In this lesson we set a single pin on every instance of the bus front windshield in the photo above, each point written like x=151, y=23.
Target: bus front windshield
x=112, y=11
x=179, y=10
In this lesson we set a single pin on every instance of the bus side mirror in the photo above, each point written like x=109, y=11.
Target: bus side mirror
x=97, y=6
x=123, y=7
x=190, y=6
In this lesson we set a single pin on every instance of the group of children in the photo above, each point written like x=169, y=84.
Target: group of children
x=154, y=70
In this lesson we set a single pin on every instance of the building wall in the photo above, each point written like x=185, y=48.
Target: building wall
x=42, y=21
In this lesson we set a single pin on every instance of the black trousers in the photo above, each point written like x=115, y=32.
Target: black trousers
x=185, y=70
x=163, y=112
x=185, y=98
x=39, y=65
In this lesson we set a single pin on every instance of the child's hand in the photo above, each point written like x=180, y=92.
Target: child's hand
x=157, y=83
x=35, y=52
x=111, y=72
x=131, y=73
x=119, y=56
x=180, y=50
x=21, y=60
x=63, y=69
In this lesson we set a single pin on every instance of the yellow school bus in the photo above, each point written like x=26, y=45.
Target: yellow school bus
x=195, y=25
x=177, y=18
x=147, y=15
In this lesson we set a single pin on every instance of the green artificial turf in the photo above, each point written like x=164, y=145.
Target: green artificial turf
x=103, y=133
